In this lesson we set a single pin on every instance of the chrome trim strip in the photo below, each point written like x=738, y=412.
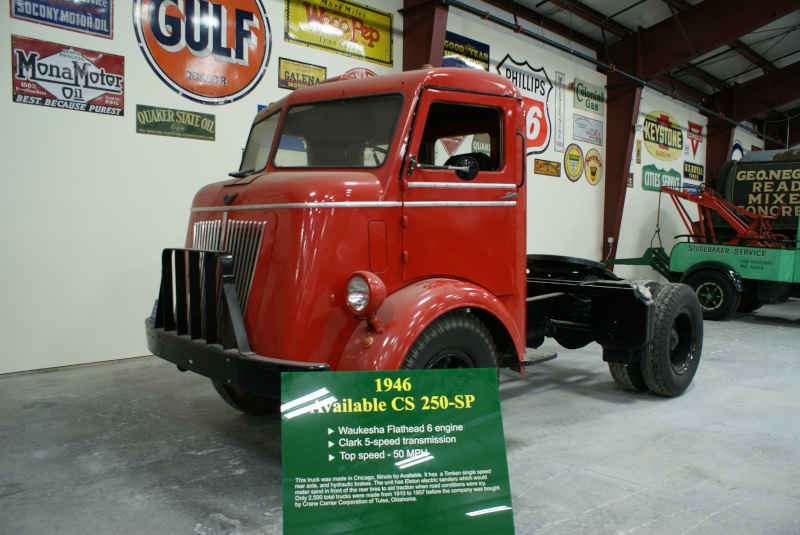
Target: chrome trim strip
x=456, y=185
x=346, y=204
x=426, y=204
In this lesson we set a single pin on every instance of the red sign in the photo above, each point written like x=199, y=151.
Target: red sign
x=61, y=76
x=695, y=135
x=212, y=53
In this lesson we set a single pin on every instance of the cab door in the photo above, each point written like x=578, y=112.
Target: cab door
x=456, y=225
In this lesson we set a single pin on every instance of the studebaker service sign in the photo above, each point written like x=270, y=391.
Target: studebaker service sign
x=212, y=53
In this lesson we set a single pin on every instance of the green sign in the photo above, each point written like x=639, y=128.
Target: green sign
x=175, y=123
x=653, y=178
x=758, y=263
x=394, y=453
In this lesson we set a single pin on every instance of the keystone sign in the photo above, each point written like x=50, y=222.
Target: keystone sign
x=663, y=138
x=209, y=52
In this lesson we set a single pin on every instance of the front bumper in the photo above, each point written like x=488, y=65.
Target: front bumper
x=197, y=324
x=245, y=371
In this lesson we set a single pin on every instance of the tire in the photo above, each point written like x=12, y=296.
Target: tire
x=750, y=302
x=717, y=296
x=246, y=402
x=670, y=360
x=455, y=340
x=628, y=376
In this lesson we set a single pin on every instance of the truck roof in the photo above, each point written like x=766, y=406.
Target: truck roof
x=791, y=155
x=408, y=82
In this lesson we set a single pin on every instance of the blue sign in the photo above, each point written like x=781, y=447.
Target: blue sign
x=95, y=17
x=460, y=51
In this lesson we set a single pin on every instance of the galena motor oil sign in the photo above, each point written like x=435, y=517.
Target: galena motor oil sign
x=209, y=52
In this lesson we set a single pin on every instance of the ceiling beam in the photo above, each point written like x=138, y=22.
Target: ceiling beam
x=595, y=17
x=547, y=23
x=691, y=33
x=758, y=96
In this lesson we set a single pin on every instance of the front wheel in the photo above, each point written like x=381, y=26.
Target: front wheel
x=245, y=401
x=455, y=340
x=670, y=360
x=717, y=294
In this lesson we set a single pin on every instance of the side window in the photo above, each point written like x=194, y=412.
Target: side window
x=455, y=130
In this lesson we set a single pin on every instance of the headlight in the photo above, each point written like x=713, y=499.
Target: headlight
x=365, y=293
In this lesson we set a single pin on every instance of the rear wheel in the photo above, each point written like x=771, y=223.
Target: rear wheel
x=628, y=376
x=455, y=340
x=245, y=401
x=716, y=293
x=670, y=360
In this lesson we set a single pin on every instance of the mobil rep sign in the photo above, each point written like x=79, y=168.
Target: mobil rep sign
x=209, y=52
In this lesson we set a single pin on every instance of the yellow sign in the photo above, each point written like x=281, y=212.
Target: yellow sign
x=342, y=27
x=546, y=167
x=663, y=137
x=594, y=167
x=295, y=74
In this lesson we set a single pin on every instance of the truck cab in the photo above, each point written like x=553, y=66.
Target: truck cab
x=349, y=240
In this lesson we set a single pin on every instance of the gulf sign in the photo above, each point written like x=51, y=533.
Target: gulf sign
x=535, y=87
x=212, y=53
x=663, y=138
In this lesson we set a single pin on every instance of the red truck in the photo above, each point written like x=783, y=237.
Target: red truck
x=348, y=241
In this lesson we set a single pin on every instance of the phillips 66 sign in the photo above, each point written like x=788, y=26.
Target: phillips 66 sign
x=210, y=52
x=535, y=87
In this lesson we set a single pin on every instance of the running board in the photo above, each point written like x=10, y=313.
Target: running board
x=534, y=356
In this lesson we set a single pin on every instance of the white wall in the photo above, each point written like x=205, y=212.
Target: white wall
x=88, y=203
x=564, y=217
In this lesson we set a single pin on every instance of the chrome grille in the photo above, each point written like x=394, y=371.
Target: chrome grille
x=240, y=238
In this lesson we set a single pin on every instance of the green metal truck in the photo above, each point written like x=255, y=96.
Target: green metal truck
x=731, y=256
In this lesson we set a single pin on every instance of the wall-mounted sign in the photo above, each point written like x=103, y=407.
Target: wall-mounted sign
x=573, y=162
x=451, y=144
x=212, y=53
x=546, y=167
x=695, y=135
x=693, y=171
x=653, y=178
x=586, y=129
x=663, y=137
x=482, y=143
x=558, y=145
x=594, y=167
x=397, y=453
x=175, y=123
x=535, y=86
x=295, y=74
x=460, y=51
x=342, y=27
x=589, y=97
x=737, y=150
x=95, y=17
x=61, y=76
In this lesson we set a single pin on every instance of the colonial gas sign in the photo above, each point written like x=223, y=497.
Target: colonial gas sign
x=663, y=138
x=209, y=52
x=535, y=86
x=589, y=97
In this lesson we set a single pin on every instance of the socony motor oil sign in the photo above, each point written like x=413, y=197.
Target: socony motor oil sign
x=206, y=51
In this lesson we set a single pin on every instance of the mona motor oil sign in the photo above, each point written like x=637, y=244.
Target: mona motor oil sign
x=209, y=52
x=66, y=77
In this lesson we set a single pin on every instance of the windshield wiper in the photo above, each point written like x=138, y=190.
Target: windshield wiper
x=241, y=174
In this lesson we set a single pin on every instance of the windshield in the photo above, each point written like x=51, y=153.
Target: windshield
x=256, y=154
x=355, y=132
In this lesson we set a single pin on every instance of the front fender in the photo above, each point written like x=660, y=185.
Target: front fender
x=725, y=269
x=407, y=312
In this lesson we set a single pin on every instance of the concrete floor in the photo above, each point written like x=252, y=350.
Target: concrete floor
x=135, y=447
